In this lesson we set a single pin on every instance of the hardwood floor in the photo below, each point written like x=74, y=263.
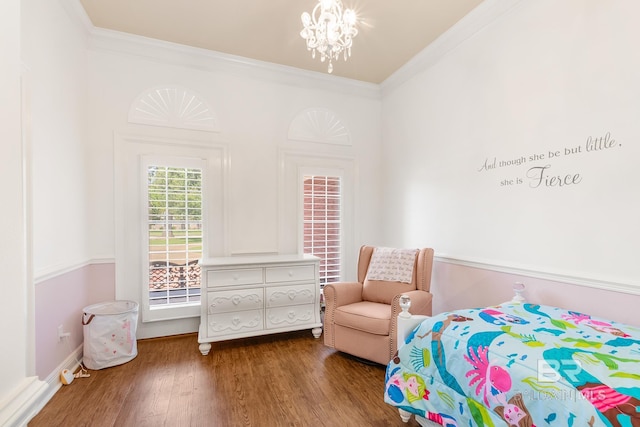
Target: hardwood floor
x=287, y=379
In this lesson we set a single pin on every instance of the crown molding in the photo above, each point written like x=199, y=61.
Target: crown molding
x=166, y=52
x=211, y=61
x=482, y=16
x=78, y=15
x=173, y=53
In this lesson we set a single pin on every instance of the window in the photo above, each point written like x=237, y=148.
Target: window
x=322, y=214
x=316, y=210
x=165, y=222
x=174, y=234
x=172, y=222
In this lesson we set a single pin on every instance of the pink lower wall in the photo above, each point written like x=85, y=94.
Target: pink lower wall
x=456, y=286
x=59, y=301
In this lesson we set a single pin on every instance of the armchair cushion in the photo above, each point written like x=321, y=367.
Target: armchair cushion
x=383, y=292
x=366, y=316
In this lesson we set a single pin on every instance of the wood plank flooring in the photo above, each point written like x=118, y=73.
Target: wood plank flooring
x=288, y=379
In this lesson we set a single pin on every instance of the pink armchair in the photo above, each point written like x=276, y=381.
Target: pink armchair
x=361, y=317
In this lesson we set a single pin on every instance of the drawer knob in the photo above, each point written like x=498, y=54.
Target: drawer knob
x=236, y=277
x=290, y=273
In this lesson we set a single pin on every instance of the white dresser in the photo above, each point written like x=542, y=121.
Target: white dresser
x=258, y=295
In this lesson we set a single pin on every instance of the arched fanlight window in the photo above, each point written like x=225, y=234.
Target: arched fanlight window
x=175, y=107
x=319, y=125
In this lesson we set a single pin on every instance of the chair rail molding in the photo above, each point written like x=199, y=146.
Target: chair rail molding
x=528, y=271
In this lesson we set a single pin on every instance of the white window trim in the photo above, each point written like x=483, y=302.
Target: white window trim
x=128, y=154
x=293, y=165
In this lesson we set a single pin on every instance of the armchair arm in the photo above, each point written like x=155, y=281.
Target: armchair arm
x=420, y=304
x=342, y=293
x=336, y=295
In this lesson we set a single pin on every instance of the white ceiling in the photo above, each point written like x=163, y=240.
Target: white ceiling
x=390, y=31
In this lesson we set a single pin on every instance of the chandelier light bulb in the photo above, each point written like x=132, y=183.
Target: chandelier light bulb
x=329, y=30
x=350, y=17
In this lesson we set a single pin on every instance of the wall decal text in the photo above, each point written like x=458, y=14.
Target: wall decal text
x=541, y=173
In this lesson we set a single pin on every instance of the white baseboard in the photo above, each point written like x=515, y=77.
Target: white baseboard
x=24, y=403
x=33, y=394
x=53, y=379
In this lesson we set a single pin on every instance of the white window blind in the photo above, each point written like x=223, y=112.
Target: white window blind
x=322, y=223
x=174, y=229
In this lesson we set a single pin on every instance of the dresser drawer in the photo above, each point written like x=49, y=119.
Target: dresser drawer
x=278, y=296
x=234, y=300
x=282, y=317
x=245, y=276
x=246, y=296
x=290, y=274
x=236, y=322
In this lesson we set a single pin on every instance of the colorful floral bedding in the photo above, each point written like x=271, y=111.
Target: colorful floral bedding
x=518, y=365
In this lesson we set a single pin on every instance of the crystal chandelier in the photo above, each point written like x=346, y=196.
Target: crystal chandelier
x=329, y=30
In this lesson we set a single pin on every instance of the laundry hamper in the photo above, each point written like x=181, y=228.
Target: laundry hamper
x=109, y=333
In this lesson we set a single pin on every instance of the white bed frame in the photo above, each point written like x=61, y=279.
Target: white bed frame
x=407, y=322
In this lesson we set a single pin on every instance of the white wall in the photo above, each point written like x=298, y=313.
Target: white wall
x=20, y=390
x=54, y=53
x=255, y=104
x=54, y=50
x=544, y=77
x=14, y=288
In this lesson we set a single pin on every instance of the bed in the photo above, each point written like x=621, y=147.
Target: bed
x=516, y=364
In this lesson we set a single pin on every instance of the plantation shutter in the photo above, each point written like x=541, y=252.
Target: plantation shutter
x=322, y=223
